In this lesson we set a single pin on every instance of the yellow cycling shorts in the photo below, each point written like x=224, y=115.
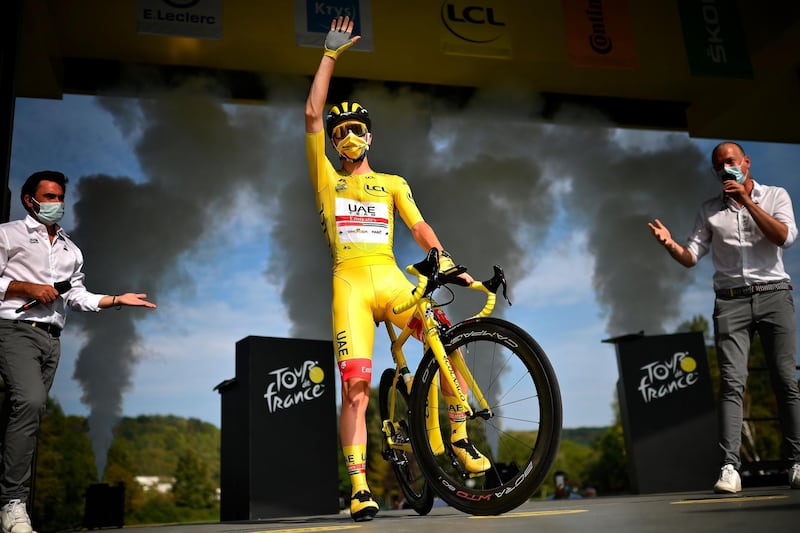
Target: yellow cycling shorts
x=362, y=297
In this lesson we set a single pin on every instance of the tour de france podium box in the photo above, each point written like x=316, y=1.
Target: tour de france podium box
x=668, y=412
x=279, y=439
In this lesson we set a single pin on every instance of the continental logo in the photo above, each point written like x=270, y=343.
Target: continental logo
x=599, y=40
x=473, y=22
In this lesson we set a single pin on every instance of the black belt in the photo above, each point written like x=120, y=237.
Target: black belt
x=52, y=329
x=749, y=290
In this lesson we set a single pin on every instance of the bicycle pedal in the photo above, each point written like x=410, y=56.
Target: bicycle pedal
x=394, y=455
x=404, y=444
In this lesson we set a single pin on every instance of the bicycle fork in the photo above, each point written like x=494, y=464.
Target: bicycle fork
x=452, y=366
x=453, y=370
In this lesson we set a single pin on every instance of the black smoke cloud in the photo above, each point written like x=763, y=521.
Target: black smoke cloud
x=197, y=157
x=488, y=177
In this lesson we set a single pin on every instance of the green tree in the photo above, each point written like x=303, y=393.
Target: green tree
x=121, y=468
x=193, y=487
x=155, y=442
x=63, y=471
x=155, y=445
x=572, y=458
x=606, y=469
x=699, y=324
x=157, y=508
x=514, y=446
x=594, y=457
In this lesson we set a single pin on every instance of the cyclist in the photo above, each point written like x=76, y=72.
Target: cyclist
x=356, y=207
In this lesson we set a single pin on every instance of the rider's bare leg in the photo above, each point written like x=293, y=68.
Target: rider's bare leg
x=353, y=435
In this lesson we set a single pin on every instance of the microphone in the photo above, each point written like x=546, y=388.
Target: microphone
x=60, y=286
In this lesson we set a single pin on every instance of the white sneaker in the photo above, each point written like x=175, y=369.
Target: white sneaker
x=15, y=518
x=729, y=481
x=794, y=476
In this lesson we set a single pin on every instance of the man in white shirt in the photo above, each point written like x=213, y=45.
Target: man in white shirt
x=40, y=274
x=747, y=228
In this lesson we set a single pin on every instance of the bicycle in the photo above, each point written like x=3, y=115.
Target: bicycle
x=505, y=384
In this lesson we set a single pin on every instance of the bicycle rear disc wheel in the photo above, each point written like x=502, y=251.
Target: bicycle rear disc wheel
x=411, y=481
x=520, y=437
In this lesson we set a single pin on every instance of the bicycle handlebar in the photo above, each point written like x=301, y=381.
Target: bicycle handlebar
x=426, y=270
x=430, y=279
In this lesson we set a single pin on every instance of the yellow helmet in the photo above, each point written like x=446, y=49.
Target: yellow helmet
x=346, y=111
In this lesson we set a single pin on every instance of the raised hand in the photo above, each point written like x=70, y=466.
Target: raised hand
x=338, y=39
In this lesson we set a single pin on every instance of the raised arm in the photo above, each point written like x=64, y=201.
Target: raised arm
x=337, y=41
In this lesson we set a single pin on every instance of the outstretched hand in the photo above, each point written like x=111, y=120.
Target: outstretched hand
x=660, y=232
x=133, y=299
x=338, y=39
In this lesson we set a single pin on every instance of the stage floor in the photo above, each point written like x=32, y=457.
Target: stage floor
x=755, y=509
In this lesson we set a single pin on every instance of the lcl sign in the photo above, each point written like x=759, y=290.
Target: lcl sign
x=471, y=22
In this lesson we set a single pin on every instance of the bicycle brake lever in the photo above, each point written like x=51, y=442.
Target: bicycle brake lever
x=429, y=266
x=504, y=293
x=496, y=281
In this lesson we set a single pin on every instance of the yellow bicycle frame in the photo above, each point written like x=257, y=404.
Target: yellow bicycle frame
x=450, y=365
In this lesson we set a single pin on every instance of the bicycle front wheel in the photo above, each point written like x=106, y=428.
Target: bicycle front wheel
x=520, y=431
x=410, y=479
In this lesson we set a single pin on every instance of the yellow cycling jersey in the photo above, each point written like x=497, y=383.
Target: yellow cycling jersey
x=357, y=210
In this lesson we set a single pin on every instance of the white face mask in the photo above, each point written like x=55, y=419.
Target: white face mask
x=353, y=148
x=49, y=212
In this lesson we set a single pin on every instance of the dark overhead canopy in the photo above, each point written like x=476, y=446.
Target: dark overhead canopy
x=714, y=68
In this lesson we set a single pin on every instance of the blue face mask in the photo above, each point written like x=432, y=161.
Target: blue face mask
x=733, y=172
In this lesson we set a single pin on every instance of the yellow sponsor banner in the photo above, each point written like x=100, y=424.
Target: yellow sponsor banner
x=599, y=33
x=201, y=19
x=477, y=28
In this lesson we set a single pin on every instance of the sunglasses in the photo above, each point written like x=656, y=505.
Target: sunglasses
x=354, y=126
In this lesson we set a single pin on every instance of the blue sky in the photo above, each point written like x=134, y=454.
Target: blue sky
x=220, y=281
